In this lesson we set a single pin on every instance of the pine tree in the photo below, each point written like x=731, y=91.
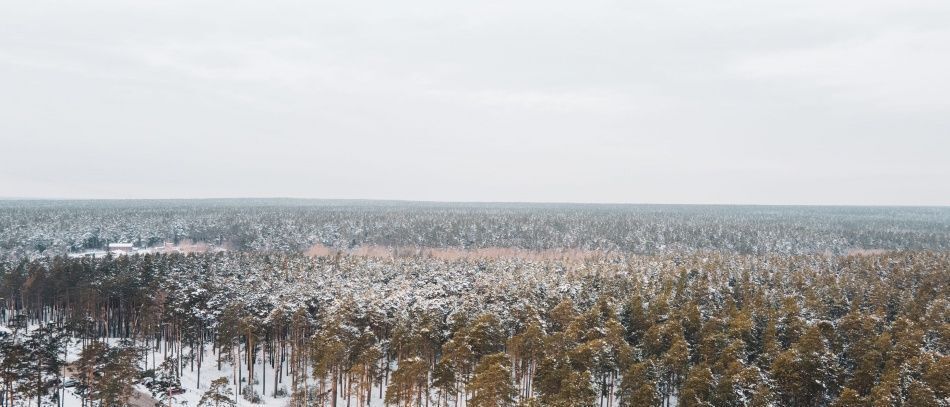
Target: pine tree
x=219, y=394
x=638, y=386
x=90, y=361
x=485, y=335
x=526, y=348
x=562, y=315
x=692, y=323
x=921, y=395
x=44, y=351
x=887, y=392
x=937, y=377
x=166, y=380
x=634, y=320
x=14, y=359
x=458, y=357
x=698, y=388
x=762, y=396
x=769, y=347
x=491, y=383
x=790, y=324
x=865, y=373
x=805, y=375
x=576, y=391
x=119, y=374
x=675, y=362
x=849, y=398
x=444, y=380
x=552, y=371
x=409, y=382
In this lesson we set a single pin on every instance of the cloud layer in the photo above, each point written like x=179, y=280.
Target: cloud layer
x=791, y=102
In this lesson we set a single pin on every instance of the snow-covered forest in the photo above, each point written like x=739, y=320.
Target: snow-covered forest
x=668, y=305
x=30, y=229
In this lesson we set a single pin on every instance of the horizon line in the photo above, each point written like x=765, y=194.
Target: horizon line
x=488, y=202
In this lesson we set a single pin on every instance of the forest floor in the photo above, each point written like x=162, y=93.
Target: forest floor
x=194, y=388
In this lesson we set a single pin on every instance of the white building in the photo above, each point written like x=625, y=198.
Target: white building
x=121, y=248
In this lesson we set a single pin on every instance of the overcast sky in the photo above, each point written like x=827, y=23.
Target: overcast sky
x=727, y=101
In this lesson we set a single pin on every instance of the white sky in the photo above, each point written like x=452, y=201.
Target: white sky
x=666, y=101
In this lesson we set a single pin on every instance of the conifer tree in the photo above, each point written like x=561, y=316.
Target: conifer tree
x=805, y=375
x=91, y=360
x=444, y=380
x=576, y=390
x=698, y=387
x=409, y=383
x=119, y=374
x=937, y=377
x=638, y=386
x=219, y=394
x=491, y=383
x=921, y=395
x=485, y=335
x=526, y=349
x=44, y=355
x=634, y=319
x=14, y=359
x=849, y=398
x=166, y=379
x=562, y=315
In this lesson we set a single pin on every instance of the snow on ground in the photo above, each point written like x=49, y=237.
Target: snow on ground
x=209, y=371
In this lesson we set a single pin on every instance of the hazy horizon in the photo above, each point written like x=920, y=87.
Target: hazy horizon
x=686, y=102
x=344, y=201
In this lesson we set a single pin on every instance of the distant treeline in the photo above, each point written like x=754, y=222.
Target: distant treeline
x=29, y=229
